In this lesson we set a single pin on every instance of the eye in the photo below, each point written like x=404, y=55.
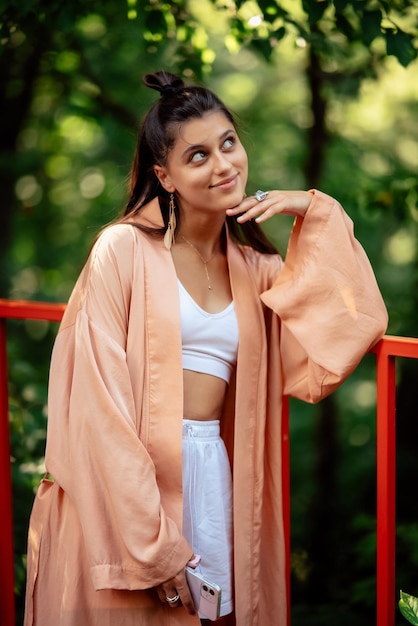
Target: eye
x=229, y=143
x=197, y=156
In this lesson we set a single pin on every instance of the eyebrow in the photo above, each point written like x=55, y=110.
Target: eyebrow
x=198, y=146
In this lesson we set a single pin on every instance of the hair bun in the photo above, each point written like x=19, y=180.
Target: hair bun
x=167, y=90
x=165, y=83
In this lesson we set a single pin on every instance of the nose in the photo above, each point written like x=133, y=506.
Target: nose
x=221, y=162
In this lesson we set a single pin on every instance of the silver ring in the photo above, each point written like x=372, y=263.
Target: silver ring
x=172, y=600
x=261, y=195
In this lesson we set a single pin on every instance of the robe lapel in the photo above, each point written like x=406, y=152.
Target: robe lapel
x=249, y=426
x=163, y=373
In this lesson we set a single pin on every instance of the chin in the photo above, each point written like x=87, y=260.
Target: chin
x=236, y=199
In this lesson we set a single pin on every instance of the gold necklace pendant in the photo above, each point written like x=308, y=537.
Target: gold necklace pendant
x=205, y=263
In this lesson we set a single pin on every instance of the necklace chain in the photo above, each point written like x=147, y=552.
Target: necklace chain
x=205, y=263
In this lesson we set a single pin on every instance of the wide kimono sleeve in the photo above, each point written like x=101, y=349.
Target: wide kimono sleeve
x=328, y=301
x=94, y=451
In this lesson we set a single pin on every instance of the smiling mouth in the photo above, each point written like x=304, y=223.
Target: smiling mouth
x=226, y=181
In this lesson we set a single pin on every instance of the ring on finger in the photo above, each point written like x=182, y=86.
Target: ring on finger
x=261, y=195
x=173, y=599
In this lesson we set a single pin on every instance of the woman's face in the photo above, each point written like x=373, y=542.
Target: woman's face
x=207, y=167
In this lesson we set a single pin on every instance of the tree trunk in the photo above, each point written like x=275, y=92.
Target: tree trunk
x=325, y=506
x=318, y=134
x=19, y=67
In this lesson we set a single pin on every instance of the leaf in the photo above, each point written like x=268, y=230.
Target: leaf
x=400, y=45
x=263, y=46
x=408, y=606
x=315, y=10
x=279, y=33
x=370, y=26
x=340, y=5
x=345, y=27
x=270, y=11
x=155, y=22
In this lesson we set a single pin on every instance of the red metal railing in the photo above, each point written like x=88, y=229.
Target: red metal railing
x=10, y=309
x=386, y=352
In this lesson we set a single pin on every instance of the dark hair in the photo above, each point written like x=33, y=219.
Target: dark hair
x=178, y=104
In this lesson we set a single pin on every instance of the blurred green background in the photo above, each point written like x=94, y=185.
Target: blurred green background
x=326, y=94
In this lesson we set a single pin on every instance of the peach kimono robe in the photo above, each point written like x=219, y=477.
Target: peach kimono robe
x=107, y=528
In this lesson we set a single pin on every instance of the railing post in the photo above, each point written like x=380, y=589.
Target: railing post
x=386, y=486
x=13, y=310
x=286, y=498
x=6, y=518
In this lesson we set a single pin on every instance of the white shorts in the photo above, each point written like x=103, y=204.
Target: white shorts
x=207, y=508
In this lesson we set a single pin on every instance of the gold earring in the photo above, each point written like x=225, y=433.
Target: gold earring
x=171, y=227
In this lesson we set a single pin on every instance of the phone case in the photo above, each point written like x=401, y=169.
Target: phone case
x=206, y=595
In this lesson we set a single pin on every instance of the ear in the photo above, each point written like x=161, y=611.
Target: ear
x=165, y=180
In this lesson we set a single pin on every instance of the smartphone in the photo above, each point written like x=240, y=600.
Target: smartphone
x=206, y=595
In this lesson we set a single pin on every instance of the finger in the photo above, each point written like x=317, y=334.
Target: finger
x=279, y=204
x=247, y=203
x=172, y=598
x=186, y=597
x=161, y=594
x=184, y=592
x=254, y=207
x=255, y=211
x=267, y=214
x=168, y=590
x=194, y=561
x=241, y=207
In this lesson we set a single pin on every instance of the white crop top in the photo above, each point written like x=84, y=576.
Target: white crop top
x=209, y=340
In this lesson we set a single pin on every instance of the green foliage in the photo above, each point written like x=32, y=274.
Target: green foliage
x=408, y=606
x=261, y=25
x=400, y=45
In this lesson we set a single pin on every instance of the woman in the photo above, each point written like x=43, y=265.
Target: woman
x=181, y=336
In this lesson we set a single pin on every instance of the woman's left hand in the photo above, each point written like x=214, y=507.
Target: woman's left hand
x=276, y=202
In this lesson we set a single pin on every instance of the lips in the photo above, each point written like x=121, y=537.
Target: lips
x=226, y=183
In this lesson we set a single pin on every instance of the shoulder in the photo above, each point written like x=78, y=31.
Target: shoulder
x=113, y=259
x=118, y=244
x=129, y=236
x=113, y=237
x=113, y=265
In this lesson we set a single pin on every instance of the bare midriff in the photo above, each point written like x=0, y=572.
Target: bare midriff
x=204, y=396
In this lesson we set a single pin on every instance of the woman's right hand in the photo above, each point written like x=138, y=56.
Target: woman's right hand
x=275, y=202
x=178, y=589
